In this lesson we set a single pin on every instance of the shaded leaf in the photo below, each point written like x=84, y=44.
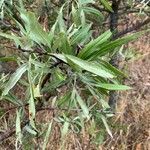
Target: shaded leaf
x=91, y=10
x=80, y=35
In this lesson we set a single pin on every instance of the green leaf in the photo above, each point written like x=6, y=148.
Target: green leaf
x=103, y=102
x=106, y=5
x=61, y=22
x=34, y=30
x=110, y=46
x=82, y=18
x=32, y=110
x=64, y=45
x=92, y=46
x=111, y=68
x=12, y=37
x=90, y=66
x=65, y=129
x=14, y=78
x=91, y=10
x=83, y=2
x=30, y=130
x=12, y=99
x=1, y=3
x=106, y=125
x=36, y=91
x=75, y=16
x=80, y=35
x=47, y=135
x=112, y=86
x=82, y=104
x=6, y=59
x=18, y=127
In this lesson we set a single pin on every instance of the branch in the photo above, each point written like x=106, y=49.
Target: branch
x=38, y=51
x=11, y=131
x=113, y=95
x=133, y=28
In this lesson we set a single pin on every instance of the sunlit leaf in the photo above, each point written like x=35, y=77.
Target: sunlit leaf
x=112, y=86
x=106, y=5
x=65, y=129
x=18, y=128
x=106, y=126
x=82, y=2
x=47, y=135
x=90, y=66
x=14, y=78
x=92, y=46
x=82, y=104
x=110, y=46
x=30, y=130
x=12, y=37
x=34, y=30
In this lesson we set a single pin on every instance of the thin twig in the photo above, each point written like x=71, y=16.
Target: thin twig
x=8, y=133
x=133, y=28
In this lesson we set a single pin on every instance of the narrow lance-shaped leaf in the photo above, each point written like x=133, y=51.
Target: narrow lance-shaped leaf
x=82, y=18
x=31, y=100
x=110, y=46
x=75, y=16
x=6, y=59
x=47, y=135
x=82, y=104
x=106, y=125
x=34, y=29
x=116, y=71
x=60, y=19
x=112, y=86
x=12, y=37
x=80, y=35
x=106, y=5
x=1, y=3
x=65, y=129
x=65, y=46
x=90, y=66
x=14, y=78
x=91, y=10
x=92, y=46
x=12, y=99
x=101, y=100
x=18, y=127
x=83, y=2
